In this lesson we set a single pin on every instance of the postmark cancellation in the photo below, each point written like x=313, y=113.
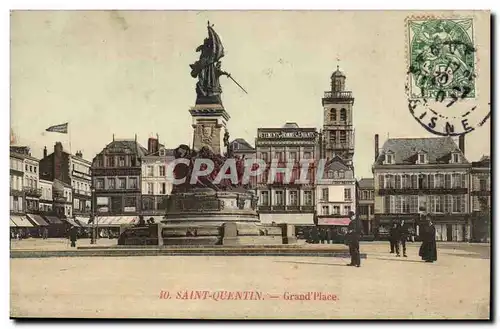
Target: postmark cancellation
x=441, y=75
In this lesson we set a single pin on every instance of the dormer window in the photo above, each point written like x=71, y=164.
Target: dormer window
x=421, y=157
x=389, y=158
x=455, y=158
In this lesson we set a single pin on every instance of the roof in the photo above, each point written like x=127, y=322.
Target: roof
x=21, y=152
x=406, y=150
x=338, y=73
x=335, y=164
x=367, y=183
x=242, y=145
x=484, y=162
x=79, y=158
x=59, y=185
x=169, y=152
x=291, y=125
x=131, y=145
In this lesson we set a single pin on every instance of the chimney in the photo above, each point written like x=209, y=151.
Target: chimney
x=153, y=146
x=461, y=143
x=58, y=148
x=45, y=151
x=376, y=147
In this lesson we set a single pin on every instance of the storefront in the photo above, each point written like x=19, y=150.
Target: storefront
x=332, y=228
x=109, y=226
x=297, y=219
x=23, y=227
x=449, y=227
x=39, y=225
x=57, y=228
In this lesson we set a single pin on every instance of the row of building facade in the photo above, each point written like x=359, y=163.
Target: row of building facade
x=410, y=176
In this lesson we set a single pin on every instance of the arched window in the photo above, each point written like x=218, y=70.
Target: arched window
x=343, y=115
x=333, y=114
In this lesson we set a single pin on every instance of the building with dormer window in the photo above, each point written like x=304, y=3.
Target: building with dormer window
x=116, y=175
x=417, y=175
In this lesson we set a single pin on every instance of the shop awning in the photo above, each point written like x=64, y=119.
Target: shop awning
x=83, y=221
x=107, y=221
x=288, y=218
x=12, y=224
x=21, y=221
x=38, y=220
x=53, y=220
x=343, y=221
x=72, y=222
x=124, y=220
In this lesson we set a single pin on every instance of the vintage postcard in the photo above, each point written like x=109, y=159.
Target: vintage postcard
x=250, y=164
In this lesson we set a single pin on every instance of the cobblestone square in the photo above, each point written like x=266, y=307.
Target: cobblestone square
x=385, y=286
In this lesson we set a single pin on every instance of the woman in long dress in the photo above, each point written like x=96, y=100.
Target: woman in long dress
x=428, y=250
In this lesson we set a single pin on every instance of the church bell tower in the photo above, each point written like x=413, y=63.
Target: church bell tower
x=338, y=131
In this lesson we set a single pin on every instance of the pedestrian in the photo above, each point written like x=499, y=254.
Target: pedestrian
x=322, y=235
x=329, y=235
x=141, y=222
x=73, y=236
x=314, y=235
x=353, y=237
x=428, y=250
x=402, y=237
x=392, y=236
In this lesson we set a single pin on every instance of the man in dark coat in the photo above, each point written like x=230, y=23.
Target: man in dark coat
x=141, y=222
x=402, y=236
x=73, y=236
x=392, y=236
x=428, y=250
x=353, y=237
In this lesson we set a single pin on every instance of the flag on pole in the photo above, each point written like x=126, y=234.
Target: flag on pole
x=62, y=128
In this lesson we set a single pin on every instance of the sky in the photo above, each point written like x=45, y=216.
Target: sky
x=127, y=73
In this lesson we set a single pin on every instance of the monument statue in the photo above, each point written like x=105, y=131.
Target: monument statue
x=208, y=210
x=208, y=69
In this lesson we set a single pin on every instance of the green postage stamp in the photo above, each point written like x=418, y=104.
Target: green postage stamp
x=441, y=58
x=442, y=62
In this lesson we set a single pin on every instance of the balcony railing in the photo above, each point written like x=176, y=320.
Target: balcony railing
x=81, y=192
x=279, y=208
x=15, y=192
x=338, y=94
x=118, y=189
x=416, y=191
x=339, y=145
x=34, y=192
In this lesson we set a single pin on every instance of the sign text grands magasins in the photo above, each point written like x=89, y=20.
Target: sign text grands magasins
x=287, y=134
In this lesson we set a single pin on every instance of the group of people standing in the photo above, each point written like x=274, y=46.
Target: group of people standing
x=399, y=235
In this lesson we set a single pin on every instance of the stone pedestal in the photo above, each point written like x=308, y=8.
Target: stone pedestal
x=209, y=124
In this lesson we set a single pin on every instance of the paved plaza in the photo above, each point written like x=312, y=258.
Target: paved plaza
x=456, y=286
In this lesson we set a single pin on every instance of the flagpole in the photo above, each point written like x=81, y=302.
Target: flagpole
x=69, y=140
